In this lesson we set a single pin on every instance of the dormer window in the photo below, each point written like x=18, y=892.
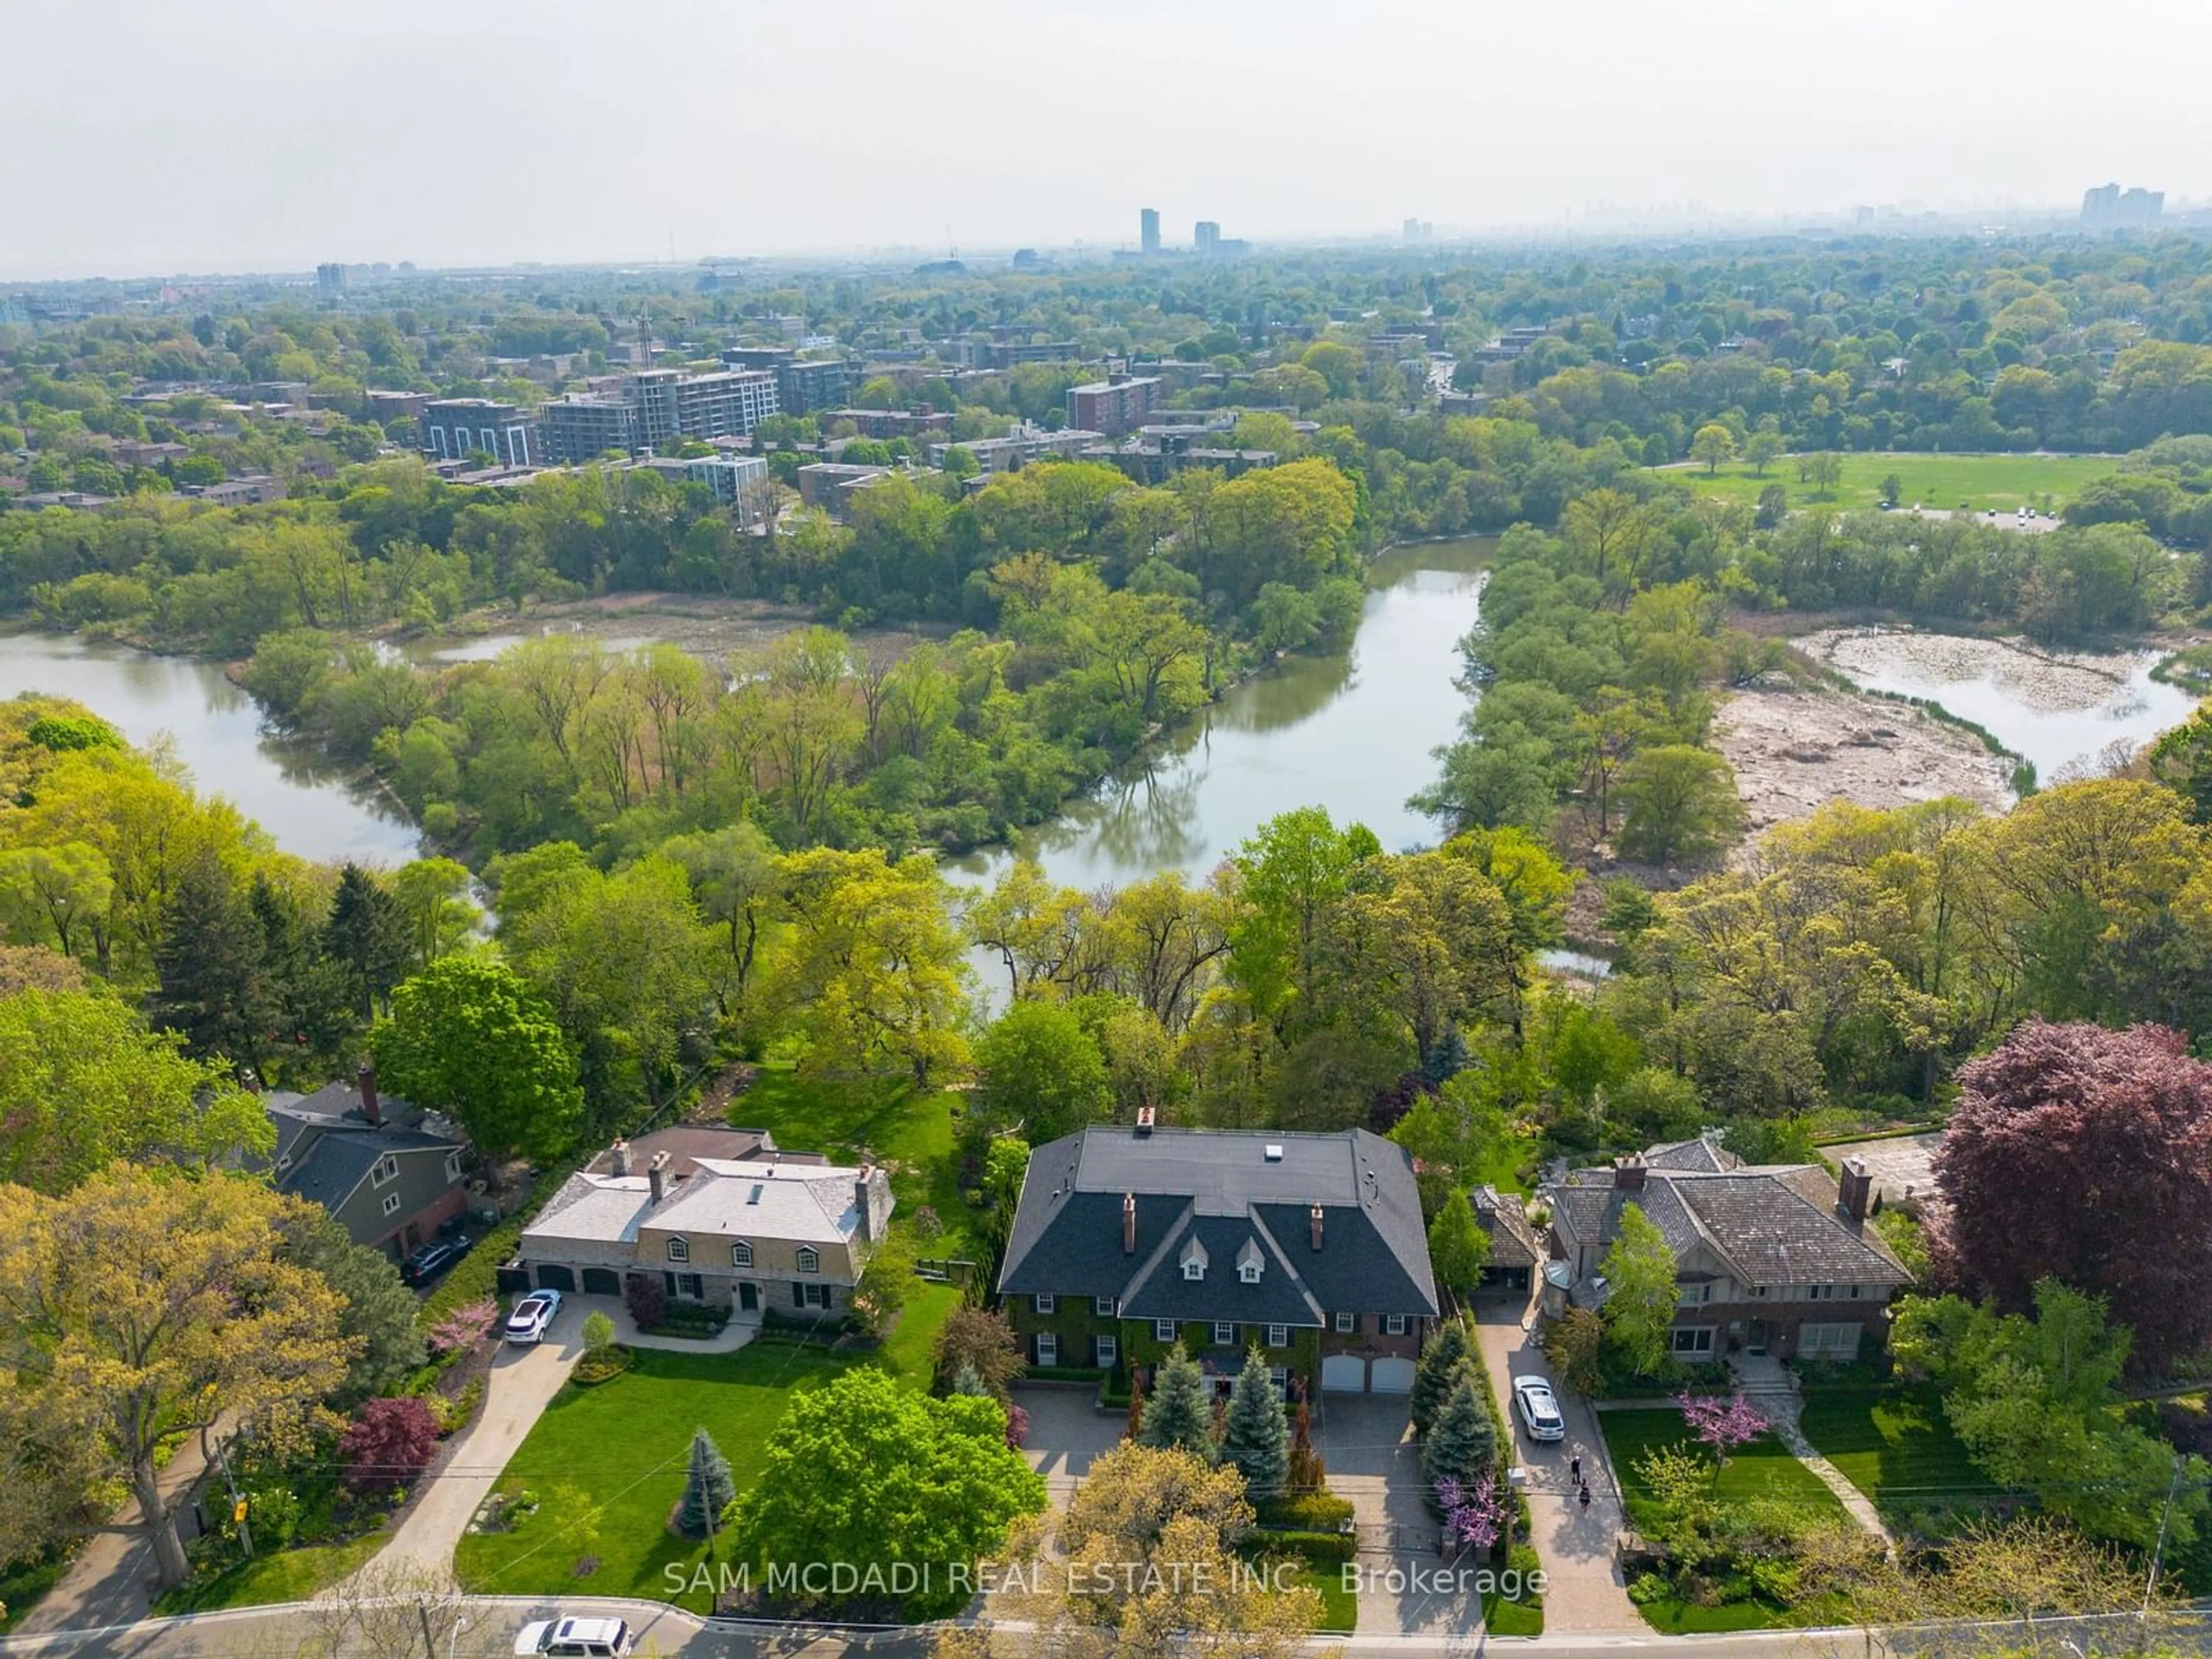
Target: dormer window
x=810, y=1260
x=1193, y=1261
x=679, y=1249
x=741, y=1255
x=1250, y=1263
x=386, y=1168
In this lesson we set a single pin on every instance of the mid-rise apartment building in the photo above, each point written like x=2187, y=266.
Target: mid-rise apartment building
x=453, y=428
x=1114, y=405
x=658, y=408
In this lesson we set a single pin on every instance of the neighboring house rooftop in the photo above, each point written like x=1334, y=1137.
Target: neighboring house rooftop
x=1513, y=1242
x=1279, y=1228
x=814, y=1203
x=332, y=1166
x=690, y=1144
x=1775, y=1224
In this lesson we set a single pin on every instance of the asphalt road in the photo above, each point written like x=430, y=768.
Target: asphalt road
x=291, y=1632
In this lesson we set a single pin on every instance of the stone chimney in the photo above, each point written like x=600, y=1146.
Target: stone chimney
x=656, y=1176
x=620, y=1155
x=1628, y=1175
x=1313, y=1222
x=1853, y=1190
x=371, y=1107
x=1128, y=1224
x=862, y=1200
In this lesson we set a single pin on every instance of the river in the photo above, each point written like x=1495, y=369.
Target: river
x=1351, y=733
x=312, y=808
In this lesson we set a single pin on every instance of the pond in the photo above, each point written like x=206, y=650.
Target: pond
x=2056, y=709
x=1351, y=733
x=315, y=809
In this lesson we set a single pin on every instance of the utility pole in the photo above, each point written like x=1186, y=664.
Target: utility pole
x=2165, y=1519
x=237, y=1503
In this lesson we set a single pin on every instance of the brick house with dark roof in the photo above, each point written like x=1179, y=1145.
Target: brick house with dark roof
x=1769, y=1259
x=1309, y=1247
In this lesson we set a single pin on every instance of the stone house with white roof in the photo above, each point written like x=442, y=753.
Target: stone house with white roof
x=741, y=1234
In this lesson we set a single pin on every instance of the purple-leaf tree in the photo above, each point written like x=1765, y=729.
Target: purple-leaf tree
x=1475, y=1512
x=1723, y=1424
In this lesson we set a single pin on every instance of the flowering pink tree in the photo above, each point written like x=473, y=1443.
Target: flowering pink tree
x=465, y=1327
x=1722, y=1424
x=1475, y=1512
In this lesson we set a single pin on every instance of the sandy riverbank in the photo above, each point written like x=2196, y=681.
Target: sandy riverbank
x=1794, y=751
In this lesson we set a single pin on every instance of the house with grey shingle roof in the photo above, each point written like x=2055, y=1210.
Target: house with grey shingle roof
x=1127, y=1240
x=1769, y=1258
x=389, y=1173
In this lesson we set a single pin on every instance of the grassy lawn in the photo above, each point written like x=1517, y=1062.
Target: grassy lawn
x=1502, y=1168
x=1339, y=1607
x=2004, y=481
x=1503, y=1618
x=1763, y=1469
x=1895, y=1445
x=288, y=1575
x=888, y=1121
x=622, y=1446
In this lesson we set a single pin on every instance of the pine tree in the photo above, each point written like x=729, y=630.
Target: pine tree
x=213, y=982
x=707, y=1488
x=1179, y=1413
x=1256, y=1438
x=366, y=934
x=970, y=1380
x=1434, y=1379
x=1462, y=1441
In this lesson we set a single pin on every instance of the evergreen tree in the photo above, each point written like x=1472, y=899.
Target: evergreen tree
x=213, y=983
x=707, y=1488
x=309, y=999
x=970, y=1380
x=367, y=935
x=1256, y=1438
x=1438, y=1373
x=1462, y=1441
x=1179, y=1413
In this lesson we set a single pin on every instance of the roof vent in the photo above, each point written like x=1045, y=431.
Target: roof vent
x=1274, y=1151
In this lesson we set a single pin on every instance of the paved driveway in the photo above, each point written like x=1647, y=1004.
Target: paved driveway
x=1067, y=1431
x=1584, y=1590
x=1406, y=1588
x=522, y=1383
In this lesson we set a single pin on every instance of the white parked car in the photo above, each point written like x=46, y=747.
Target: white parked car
x=534, y=1315
x=1540, y=1408
x=573, y=1639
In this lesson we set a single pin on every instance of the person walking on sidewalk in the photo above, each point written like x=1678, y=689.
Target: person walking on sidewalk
x=1575, y=1469
x=1584, y=1499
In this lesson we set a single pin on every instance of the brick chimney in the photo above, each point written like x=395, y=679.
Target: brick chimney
x=1146, y=1117
x=1853, y=1190
x=656, y=1176
x=620, y=1155
x=1313, y=1221
x=1128, y=1224
x=1628, y=1175
x=371, y=1107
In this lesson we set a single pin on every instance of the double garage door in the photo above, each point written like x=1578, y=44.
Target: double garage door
x=597, y=1281
x=1351, y=1373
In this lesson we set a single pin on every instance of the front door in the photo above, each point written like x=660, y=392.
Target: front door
x=1755, y=1341
x=748, y=1296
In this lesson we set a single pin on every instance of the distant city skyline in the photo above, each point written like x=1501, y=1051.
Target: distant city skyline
x=149, y=137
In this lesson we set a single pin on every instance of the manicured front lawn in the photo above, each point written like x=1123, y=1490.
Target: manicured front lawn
x=1764, y=1468
x=1895, y=1446
x=1339, y=1607
x=885, y=1120
x=622, y=1446
x=2004, y=481
x=295, y=1575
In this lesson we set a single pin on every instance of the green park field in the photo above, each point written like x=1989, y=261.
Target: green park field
x=2004, y=481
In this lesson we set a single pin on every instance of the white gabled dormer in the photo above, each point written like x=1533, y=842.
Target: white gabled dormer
x=1192, y=1259
x=1249, y=1262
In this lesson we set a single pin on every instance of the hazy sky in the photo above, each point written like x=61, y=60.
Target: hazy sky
x=142, y=136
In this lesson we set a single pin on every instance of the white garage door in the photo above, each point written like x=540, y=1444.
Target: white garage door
x=1343, y=1373
x=1392, y=1377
